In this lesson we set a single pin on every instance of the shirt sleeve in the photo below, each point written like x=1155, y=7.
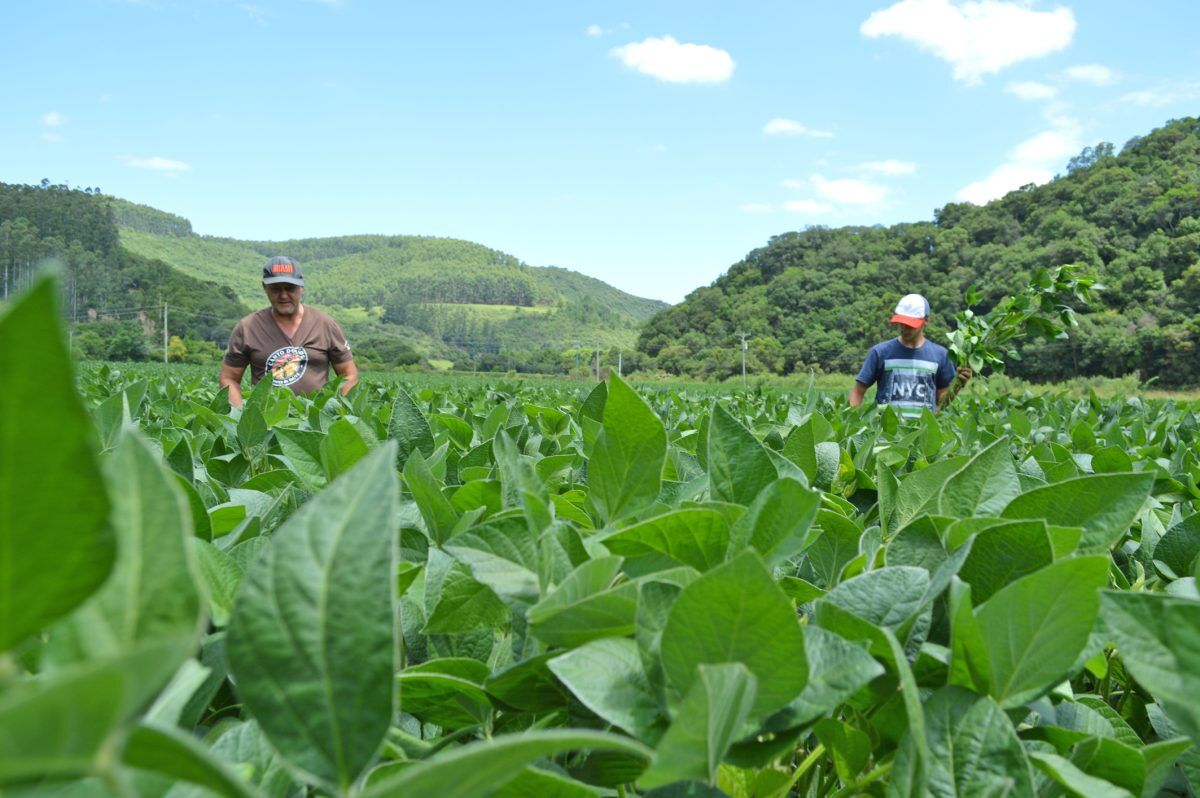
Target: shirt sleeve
x=869, y=372
x=339, y=347
x=945, y=373
x=237, y=354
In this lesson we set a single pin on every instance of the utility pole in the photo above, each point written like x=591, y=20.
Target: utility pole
x=745, y=346
x=164, y=332
x=619, y=364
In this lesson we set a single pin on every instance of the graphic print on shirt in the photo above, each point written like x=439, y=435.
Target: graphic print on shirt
x=287, y=365
x=910, y=384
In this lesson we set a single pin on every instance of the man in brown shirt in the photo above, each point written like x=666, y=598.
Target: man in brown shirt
x=292, y=341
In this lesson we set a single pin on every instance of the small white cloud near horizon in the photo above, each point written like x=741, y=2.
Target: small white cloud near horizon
x=157, y=163
x=756, y=207
x=790, y=127
x=1031, y=90
x=849, y=191
x=889, y=167
x=52, y=137
x=976, y=37
x=1095, y=74
x=672, y=61
x=1035, y=160
x=1159, y=97
x=596, y=30
x=53, y=119
x=807, y=206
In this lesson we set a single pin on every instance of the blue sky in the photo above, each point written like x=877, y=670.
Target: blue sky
x=650, y=144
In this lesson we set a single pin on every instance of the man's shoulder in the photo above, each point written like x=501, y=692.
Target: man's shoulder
x=319, y=316
x=936, y=349
x=249, y=318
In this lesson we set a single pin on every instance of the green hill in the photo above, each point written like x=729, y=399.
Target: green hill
x=820, y=297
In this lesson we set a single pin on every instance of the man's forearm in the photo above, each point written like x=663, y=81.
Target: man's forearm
x=235, y=391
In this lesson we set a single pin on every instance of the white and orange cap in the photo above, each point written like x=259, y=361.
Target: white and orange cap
x=912, y=310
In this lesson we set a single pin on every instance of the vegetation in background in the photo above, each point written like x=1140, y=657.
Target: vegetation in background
x=817, y=299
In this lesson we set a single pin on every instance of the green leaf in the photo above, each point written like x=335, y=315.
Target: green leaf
x=1035, y=628
x=477, y=769
x=311, y=640
x=738, y=465
x=409, y=429
x=1113, y=761
x=710, y=719
x=447, y=692
x=1158, y=638
x=56, y=546
x=586, y=606
x=534, y=781
x=698, y=537
x=974, y=750
x=454, y=601
x=800, y=448
x=439, y=514
x=221, y=576
x=984, y=486
x=341, y=448
x=778, y=520
x=1004, y=553
x=302, y=449
x=849, y=747
x=625, y=467
x=1103, y=504
x=162, y=749
x=1180, y=546
x=837, y=669
x=607, y=677
x=1073, y=780
x=919, y=491
x=736, y=613
x=151, y=595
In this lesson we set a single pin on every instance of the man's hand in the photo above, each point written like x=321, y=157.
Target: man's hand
x=965, y=374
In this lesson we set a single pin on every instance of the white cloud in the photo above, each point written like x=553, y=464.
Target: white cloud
x=1095, y=74
x=791, y=183
x=807, y=206
x=52, y=137
x=1034, y=160
x=790, y=127
x=889, y=167
x=54, y=119
x=1031, y=90
x=157, y=164
x=1157, y=98
x=659, y=148
x=977, y=37
x=675, y=62
x=849, y=191
x=756, y=207
x=596, y=30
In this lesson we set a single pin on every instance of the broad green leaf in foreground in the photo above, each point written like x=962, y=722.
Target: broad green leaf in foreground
x=738, y=464
x=708, y=722
x=151, y=596
x=409, y=429
x=311, y=641
x=625, y=467
x=586, y=606
x=1159, y=641
x=778, y=520
x=694, y=536
x=984, y=486
x=174, y=753
x=477, y=769
x=1103, y=504
x=56, y=546
x=1035, y=628
x=737, y=613
x=607, y=677
x=974, y=750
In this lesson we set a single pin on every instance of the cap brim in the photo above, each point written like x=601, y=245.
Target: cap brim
x=911, y=321
x=283, y=279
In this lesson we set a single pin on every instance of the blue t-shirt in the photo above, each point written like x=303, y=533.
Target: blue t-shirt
x=908, y=379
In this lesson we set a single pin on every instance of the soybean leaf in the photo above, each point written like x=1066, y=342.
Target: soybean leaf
x=1035, y=628
x=607, y=677
x=1180, y=546
x=918, y=492
x=1103, y=504
x=694, y=536
x=625, y=467
x=454, y=601
x=974, y=750
x=439, y=514
x=56, y=546
x=446, y=691
x=837, y=669
x=409, y=428
x=738, y=465
x=1074, y=780
x=311, y=640
x=586, y=606
x=984, y=486
x=1003, y=553
x=737, y=613
x=341, y=447
x=849, y=747
x=778, y=520
x=162, y=749
x=1159, y=640
x=477, y=769
x=710, y=719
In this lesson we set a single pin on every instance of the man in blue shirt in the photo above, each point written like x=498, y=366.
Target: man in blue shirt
x=913, y=373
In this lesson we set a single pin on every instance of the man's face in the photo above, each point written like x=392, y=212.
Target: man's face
x=908, y=333
x=284, y=298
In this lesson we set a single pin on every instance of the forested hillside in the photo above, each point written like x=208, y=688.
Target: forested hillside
x=116, y=296
x=819, y=298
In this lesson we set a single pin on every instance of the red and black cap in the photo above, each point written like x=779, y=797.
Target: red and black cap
x=282, y=270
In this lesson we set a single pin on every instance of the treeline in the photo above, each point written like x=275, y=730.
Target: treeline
x=113, y=297
x=817, y=299
x=148, y=220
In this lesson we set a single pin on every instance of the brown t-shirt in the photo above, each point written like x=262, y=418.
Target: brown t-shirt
x=300, y=362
